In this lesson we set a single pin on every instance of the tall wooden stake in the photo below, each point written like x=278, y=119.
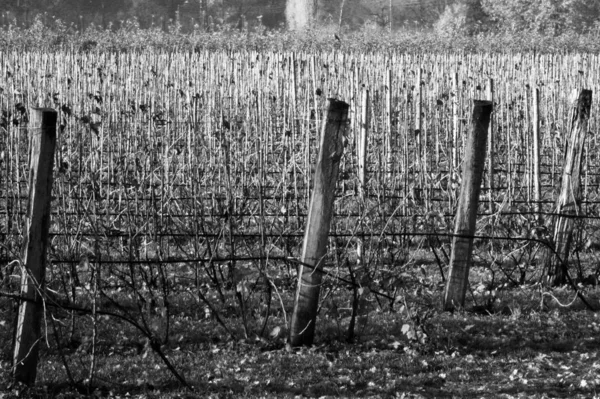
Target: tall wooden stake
x=491, y=155
x=455, y=125
x=362, y=143
x=42, y=133
x=536, y=155
x=362, y=163
x=466, y=213
x=419, y=112
x=567, y=203
x=302, y=326
x=388, y=123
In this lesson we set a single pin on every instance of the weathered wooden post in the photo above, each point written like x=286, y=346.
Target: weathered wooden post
x=537, y=195
x=491, y=155
x=362, y=142
x=466, y=212
x=302, y=326
x=42, y=133
x=419, y=117
x=388, y=123
x=362, y=165
x=455, y=124
x=567, y=203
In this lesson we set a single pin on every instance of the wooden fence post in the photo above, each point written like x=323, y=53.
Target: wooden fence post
x=362, y=165
x=388, y=122
x=536, y=155
x=567, y=203
x=302, y=325
x=455, y=124
x=466, y=213
x=42, y=133
x=491, y=155
x=419, y=119
x=362, y=142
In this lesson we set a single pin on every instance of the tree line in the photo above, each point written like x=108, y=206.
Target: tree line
x=445, y=16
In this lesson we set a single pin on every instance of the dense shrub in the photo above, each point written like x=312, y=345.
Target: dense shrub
x=461, y=19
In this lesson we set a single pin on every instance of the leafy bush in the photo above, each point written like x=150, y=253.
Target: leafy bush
x=460, y=19
x=549, y=17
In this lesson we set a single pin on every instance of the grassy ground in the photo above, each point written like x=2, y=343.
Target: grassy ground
x=525, y=343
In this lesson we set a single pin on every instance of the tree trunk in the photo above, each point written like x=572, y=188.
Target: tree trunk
x=203, y=15
x=299, y=14
x=341, y=14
